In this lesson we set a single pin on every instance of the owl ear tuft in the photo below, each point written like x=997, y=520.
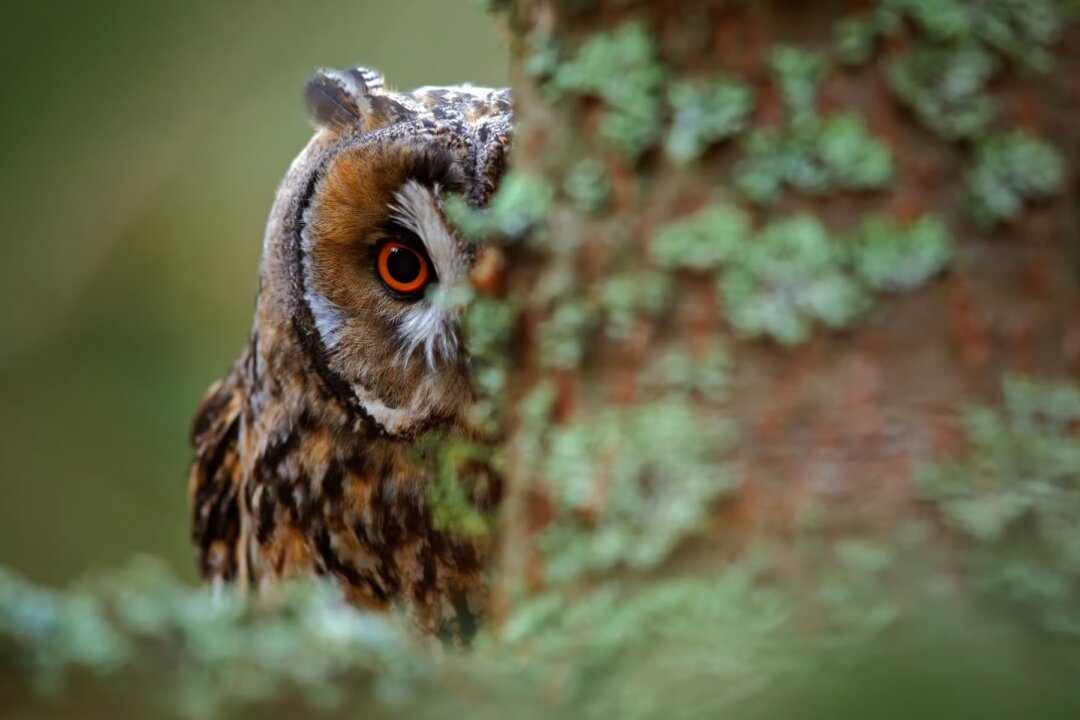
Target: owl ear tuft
x=337, y=98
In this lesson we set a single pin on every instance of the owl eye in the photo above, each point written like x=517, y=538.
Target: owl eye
x=403, y=269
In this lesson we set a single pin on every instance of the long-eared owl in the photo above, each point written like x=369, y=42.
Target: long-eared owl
x=305, y=455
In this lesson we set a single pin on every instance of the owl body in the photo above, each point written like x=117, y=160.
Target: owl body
x=309, y=453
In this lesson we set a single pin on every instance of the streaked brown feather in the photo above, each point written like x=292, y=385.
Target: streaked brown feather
x=214, y=480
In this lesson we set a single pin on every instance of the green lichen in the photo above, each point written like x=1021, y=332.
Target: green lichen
x=629, y=484
x=891, y=256
x=816, y=157
x=812, y=154
x=945, y=86
x=1011, y=169
x=676, y=370
x=621, y=70
x=521, y=203
x=798, y=73
x=587, y=184
x=1022, y=30
x=486, y=328
x=856, y=36
x=542, y=58
x=563, y=335
x=790, y=277
x=460, y=475
x=780, y=281
x=702, y=241
x=1015, y=491
x=705, y=113
x=627, y=297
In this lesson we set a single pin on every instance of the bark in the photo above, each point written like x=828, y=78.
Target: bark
x=829, y=432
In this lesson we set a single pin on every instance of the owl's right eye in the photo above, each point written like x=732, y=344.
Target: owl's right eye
x=404, y=270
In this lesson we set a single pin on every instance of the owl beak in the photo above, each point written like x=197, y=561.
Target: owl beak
x=488, y=275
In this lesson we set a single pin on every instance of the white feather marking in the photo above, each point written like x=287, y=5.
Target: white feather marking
x=415, y=207
x=466, y=89
x=395, y=420
x=427, y=325
x=329, y=320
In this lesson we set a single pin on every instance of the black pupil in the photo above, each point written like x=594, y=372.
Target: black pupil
x=403, y=265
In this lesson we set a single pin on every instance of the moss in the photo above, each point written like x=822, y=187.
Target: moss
x=702, y=646
x=217, y=651
x=629, y=484
x=817, y=157
x=790, y=277
x=1015, y=492
x=946, y=87
x=1011, y=169
x=854, y=592
x=705, y=113
x=619, y=68
x=891, y=256
x=702, y=241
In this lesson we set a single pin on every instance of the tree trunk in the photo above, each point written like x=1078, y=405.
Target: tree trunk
x=816, y=289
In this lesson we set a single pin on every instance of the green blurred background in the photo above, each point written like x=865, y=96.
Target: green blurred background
x=140, y=147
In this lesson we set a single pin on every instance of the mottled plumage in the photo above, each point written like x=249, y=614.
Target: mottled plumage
x=306, y=453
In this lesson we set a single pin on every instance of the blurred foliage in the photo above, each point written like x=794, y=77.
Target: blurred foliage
x=140, y=643
x=216, y=649
x=141, y=144
x=1015, y=491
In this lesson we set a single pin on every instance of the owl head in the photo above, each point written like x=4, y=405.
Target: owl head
x=359, y=259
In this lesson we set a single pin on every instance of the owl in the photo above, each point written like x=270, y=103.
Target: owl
x=308, y=454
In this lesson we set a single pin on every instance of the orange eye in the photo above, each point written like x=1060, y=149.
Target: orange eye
x=404, y=270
